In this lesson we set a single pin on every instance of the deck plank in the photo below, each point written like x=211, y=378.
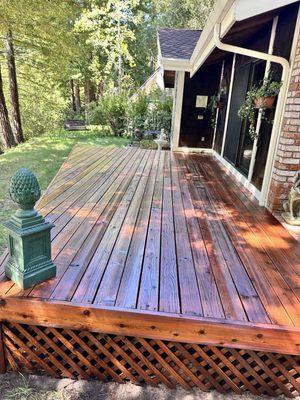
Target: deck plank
x=99, y=222
x=189, y=290
x=210, y=299
x=149, y=286
x=236, y=224
x=129, y=286
x=109, y=286
x=169, y=291
x=88, y=286
x=164, y=234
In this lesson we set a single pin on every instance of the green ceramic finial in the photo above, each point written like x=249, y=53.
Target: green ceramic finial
x=24, y=189
x=29, y=238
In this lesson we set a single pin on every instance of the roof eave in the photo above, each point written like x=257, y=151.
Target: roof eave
x=175, y=64
x=225, y=14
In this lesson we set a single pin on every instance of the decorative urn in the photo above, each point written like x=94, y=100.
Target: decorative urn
x=28, y=234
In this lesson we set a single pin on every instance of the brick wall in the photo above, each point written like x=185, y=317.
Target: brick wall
x=287, y=161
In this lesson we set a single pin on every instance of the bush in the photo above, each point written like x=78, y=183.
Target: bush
x=133, y=116
x=137, y=114
x=160, y=112
x=111, y=111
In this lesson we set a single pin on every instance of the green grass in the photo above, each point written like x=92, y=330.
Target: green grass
x=43, y=155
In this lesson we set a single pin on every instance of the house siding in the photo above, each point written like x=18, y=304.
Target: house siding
x=287, y=161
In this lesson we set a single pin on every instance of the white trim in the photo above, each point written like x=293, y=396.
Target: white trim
x=218, y=110
x=228, y=104
x=247, y=9
x=175, y=64
x=178, y=99
x=240, y=177
x=260, y=113
x=277, y=125
x=184, y=149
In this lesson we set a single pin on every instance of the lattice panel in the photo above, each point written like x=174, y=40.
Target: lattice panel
x=87, y=355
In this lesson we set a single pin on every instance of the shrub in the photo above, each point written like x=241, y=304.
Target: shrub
x=112, y=111
x=160, y=112
x=137, y=115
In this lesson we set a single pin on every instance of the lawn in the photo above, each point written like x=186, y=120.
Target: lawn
x=43, y=155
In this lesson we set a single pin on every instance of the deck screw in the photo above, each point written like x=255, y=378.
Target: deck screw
x=2, y=302
x=122, y=326
x=234, y=340
x=202, y=332
x=86, y=312
x=259, y=336
x=152, y=327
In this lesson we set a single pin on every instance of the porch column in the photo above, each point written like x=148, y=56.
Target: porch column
x=287, y=158
x=177, y=108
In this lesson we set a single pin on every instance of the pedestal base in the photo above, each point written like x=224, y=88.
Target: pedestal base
x=26, y=279
x=29, y=249
x=289, y=220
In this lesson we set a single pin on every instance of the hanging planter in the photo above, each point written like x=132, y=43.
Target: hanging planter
x=262, y=98
x=264, y=102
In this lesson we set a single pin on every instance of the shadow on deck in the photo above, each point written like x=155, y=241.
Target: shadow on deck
x=168, y=272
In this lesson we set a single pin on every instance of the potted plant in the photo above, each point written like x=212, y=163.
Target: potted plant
x=264, y=95
x=258, y=97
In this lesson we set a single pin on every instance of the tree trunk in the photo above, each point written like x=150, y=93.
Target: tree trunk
x=73, y=105
x=7, y=136
x=77, y=99
x=13, y=89
x=89, y=96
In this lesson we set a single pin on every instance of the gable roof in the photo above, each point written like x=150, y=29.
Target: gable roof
x=178, y=43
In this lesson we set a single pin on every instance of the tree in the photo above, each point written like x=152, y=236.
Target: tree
x=112, y=30
x=13, y=89
x=7, y=136
x=184, y=13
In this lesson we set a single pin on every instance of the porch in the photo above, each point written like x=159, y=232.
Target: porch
x=168, y=272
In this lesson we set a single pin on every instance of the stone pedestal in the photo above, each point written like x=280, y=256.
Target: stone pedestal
x=29, y=235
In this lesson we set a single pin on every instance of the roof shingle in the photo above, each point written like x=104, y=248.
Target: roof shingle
x=178, y=43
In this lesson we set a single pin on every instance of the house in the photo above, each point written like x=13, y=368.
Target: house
x=241, y=44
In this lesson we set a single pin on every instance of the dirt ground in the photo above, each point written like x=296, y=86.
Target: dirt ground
x=20, y=387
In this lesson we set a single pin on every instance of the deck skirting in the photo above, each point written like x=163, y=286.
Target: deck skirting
x=81, y=354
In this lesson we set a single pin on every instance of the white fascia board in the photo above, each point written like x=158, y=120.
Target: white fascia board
x=246, y=9
x=175, y=64
x=221, y=8
x=206, y=44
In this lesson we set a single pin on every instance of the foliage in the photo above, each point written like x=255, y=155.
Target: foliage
x=247, y=111
x=112, y=111
x=115, y=31
x=160, y=112
x=131, y=116
x=214, y=103
x=137, y=113
x=148, y=144
x=185, y=13
x=110, y=44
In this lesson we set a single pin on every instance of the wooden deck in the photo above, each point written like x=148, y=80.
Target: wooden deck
x=165, y=246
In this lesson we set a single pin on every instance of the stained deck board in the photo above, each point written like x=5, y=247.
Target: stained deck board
x=168, y=234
